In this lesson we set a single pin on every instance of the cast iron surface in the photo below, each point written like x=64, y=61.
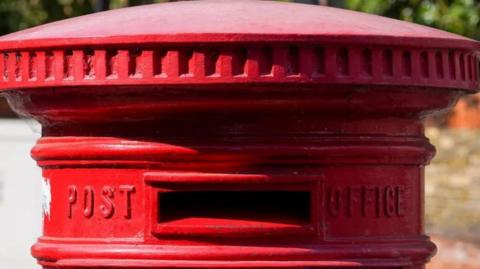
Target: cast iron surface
x=217, y=42
x=234, y=134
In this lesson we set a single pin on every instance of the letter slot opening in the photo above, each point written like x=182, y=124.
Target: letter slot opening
x=282, y=207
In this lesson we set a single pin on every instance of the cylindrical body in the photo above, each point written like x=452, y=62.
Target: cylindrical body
x=249, y=145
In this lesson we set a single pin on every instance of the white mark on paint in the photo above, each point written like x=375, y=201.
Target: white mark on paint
x=46, y=197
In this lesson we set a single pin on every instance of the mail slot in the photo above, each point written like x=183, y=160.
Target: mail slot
x=228, y=205
x=289, y=207
x=234, y=134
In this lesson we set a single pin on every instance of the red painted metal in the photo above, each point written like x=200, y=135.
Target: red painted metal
x=222, y=134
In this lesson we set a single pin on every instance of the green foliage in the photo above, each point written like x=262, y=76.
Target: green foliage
x=457, y=16
x=20, y=14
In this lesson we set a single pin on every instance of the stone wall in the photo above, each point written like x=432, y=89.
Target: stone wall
x=453, y=197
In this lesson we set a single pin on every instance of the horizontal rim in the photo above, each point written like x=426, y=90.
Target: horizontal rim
x=232, y=39
x=399, y=254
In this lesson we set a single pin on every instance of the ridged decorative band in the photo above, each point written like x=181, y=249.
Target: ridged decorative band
x=248, y=63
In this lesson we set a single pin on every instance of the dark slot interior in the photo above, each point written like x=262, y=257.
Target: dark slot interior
x=288, y=207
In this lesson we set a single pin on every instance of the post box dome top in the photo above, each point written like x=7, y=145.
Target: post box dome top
x=230, y=21
x=197, y=42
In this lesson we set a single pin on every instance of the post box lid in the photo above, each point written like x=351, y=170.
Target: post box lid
x=198, y=42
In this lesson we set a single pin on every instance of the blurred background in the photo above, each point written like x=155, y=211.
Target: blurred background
x=452, y=180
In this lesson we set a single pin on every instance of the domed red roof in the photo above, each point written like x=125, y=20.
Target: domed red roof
x=216, y=20
x=225, y=42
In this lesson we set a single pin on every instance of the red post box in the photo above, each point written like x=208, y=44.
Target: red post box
x=234, y=134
